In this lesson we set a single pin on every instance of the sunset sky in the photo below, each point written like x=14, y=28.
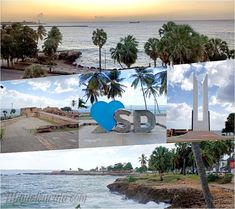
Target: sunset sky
x=105, y=10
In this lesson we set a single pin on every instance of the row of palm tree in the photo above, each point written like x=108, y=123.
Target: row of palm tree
x=178, y=44
x=110, y=84
x=181, y=158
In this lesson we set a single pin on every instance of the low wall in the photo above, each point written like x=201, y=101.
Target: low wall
x=56, y=118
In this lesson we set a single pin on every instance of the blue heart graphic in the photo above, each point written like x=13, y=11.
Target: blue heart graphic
x=103, y=113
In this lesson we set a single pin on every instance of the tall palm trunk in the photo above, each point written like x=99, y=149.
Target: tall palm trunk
x=155, y=63
x=120, y=65
x=202, y=174
x=158, y=109
x=100, y=59
x=142, y=87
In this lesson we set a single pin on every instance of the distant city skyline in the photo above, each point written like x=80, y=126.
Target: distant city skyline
x=112, y=10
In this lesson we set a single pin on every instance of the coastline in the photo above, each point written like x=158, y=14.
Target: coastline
x=183, y=193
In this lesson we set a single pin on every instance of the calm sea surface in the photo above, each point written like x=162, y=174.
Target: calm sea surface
x=80, y=37
x=93, y=188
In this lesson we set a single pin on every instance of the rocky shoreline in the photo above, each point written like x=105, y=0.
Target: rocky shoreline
x=177, y=195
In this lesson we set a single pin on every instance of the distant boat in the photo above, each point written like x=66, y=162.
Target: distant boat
x=134, y=22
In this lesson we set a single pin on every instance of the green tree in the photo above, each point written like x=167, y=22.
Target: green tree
x=41, y=32
x=229, y=124
x=183, y=150
x=5, y=114
x=125, y=51
x=128, y=167
x=95, y=85
x=143, y=76
x=13, y=111
x=217, y=49
x=18, y=42
x=51, y=44
x=143, y=160
x=81, y=103
x=99, y=38
x=151, y=49
x=116, y=53
x=160, y=160
x=181, y=44
x=167, y=27
x=115, y=88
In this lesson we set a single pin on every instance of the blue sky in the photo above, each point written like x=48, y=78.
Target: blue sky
x=220, y=92
x=76, y=158
x=131, y=96
x=61, y=90
x=56, y=91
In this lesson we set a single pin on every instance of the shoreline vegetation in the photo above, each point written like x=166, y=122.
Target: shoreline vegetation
x=178, y=44
x=177, y=190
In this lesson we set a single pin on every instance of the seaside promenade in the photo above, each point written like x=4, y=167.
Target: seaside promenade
x=20, y=137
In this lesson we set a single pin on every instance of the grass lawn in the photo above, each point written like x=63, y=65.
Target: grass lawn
x=154, y=179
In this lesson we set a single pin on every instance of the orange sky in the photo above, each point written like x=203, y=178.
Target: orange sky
x=90, y=10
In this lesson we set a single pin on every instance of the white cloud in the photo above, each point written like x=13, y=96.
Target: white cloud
x=66, y=85
x=219, y=74
x=41, y=85
x=20, y=100
x=179, y=115
x=65, y=159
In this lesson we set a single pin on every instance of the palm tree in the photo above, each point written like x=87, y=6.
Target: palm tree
x=114, y=86
x=99, y=38
x=13, y=111
x=166, y=28
x=81, y=103
x=217, y=49
x=183, y=150
x=125, y=51
x=181, y=44
x=151, y=49
x=161, y=81
x=116, y=53
x=143, y=160
x=4, y=113
x=143, y=76
x=95, y=85
x=54, y=38
x=160, y=160
x=202, y=174
x=152, y=90
x=41, y=32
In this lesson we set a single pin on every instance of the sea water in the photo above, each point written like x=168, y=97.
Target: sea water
x=93, y=188
x=80, y=38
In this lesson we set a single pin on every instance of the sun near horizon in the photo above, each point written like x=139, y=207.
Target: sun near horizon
x=111, y=10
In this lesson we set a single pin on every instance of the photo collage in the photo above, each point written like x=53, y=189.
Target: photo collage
x=132, y=108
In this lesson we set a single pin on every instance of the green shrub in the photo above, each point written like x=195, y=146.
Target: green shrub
x=131, y=179
x=212, y=177
x=227, y=178
x=34, y=71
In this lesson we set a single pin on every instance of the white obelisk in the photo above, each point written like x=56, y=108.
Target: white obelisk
x=200, y=125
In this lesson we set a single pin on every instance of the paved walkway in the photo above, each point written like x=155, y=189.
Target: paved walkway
x=10, y=74
x=89, y=139
x=20, y=137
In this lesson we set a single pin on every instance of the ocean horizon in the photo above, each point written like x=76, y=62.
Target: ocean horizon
x=79, y=38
